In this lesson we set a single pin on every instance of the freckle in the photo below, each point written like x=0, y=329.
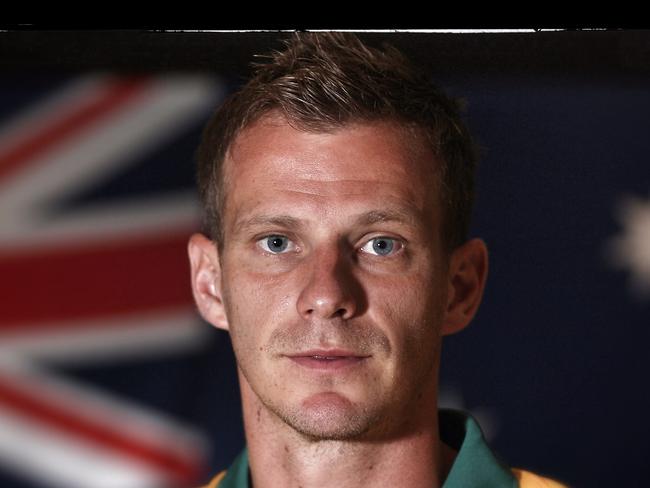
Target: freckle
x=370, y=467
x=286, y=449
x=261, y=348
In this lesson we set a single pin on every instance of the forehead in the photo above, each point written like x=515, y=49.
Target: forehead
x=272, y=163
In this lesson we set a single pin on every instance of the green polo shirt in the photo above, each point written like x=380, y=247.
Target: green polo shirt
x=475, y=465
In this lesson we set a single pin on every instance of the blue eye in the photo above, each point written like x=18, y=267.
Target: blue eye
x=381, y=246
x=275, y=244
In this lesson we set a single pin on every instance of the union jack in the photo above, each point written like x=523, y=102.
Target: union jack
x=95, y=282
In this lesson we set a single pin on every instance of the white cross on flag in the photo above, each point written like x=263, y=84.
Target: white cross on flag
x=94, y=282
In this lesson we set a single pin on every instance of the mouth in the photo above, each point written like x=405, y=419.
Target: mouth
x=327, y=360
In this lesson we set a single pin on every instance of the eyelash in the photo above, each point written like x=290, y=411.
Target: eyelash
x=261, y=242
x=396, y=244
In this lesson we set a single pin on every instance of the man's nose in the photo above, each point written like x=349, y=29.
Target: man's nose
x=331, y=289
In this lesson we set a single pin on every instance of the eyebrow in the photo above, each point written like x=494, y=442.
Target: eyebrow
x=380, y=216
x=284, y=221
x=364, y=219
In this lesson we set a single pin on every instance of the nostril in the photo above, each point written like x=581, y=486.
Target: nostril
x=340, y=312
x=328, y=296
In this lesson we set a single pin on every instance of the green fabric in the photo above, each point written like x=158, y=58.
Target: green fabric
x=475, y=465
x=237, y=474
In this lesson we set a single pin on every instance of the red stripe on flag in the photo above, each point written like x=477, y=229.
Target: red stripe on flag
x=63, y=126
x=18, y=398
x=130, y=275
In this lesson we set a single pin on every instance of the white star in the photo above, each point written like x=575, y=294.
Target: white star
x=631, y=249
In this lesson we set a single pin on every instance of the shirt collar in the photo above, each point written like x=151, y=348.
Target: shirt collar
x=475, y=464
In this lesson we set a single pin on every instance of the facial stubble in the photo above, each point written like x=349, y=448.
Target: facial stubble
x=331, y=415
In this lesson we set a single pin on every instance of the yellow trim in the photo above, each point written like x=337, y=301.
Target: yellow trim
x=529, y=480
x=216, y=480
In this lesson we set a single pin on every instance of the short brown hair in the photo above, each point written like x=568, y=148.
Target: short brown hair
x=322, y=81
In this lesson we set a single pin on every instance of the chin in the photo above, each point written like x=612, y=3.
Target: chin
x=329, y=416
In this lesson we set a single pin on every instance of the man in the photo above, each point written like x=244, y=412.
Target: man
x=337, y=187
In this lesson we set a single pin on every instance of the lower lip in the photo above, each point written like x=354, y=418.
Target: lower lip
x=327, y=364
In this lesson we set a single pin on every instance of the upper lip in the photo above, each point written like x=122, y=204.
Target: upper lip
x=330, y=353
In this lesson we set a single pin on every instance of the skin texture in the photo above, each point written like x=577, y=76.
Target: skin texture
x=336, y=291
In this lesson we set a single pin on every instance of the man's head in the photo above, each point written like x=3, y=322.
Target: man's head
x=322, y=82
x=334, y=272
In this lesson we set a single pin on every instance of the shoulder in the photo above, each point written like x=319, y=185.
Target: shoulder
x=527, y=479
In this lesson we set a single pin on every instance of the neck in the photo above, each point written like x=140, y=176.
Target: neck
x=280, y=456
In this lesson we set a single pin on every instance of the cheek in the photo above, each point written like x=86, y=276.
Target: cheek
x=255, y=304
x=411, y=312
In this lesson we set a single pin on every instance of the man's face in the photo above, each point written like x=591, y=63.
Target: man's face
x=332, y=274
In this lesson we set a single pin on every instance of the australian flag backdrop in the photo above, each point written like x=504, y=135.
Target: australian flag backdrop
x=108, y=377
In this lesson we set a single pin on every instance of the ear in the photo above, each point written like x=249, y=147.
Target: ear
x=468, y=268
x=206, y=280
